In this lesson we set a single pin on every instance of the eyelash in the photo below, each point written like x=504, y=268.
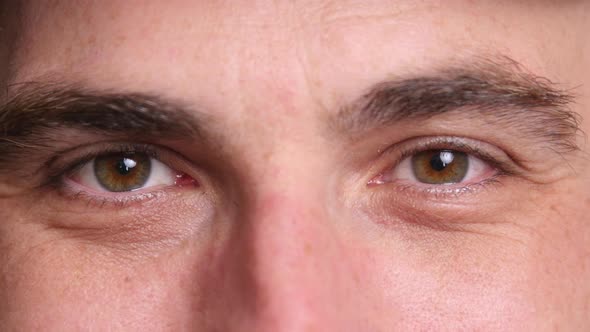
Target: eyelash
x=503, y=168
x=57, y=176
x=65, y=168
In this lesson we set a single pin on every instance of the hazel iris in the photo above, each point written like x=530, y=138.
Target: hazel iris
x=122, y=172
x=440, y=166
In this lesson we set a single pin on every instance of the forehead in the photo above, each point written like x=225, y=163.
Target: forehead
x=266, y=52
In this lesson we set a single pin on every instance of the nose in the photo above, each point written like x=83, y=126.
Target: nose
x=284, y=269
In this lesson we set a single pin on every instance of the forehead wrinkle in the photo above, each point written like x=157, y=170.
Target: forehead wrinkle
x=351, y=12
x=10, y=16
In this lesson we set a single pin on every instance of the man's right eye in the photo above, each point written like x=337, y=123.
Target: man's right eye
x=124, y=173
x=116, y=172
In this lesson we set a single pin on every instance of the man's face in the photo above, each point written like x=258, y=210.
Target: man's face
x=295, y=166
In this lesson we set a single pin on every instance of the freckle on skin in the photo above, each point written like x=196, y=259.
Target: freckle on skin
x=185, y=244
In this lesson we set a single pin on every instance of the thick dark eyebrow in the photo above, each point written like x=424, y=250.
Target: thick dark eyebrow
x=498, y=90
x=37, y=112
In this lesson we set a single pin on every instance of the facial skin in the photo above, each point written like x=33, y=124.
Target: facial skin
x=294, y=213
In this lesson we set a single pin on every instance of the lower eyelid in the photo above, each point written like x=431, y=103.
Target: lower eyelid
x=75, y=187
x=400, y=202
x=102, y=199
x=441, y=193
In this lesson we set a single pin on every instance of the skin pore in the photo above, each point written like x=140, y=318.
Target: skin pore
x=284, y=134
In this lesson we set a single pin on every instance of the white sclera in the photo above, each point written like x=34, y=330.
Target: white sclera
x=160, y=175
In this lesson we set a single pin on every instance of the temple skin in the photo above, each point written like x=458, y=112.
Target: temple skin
x=284, y=228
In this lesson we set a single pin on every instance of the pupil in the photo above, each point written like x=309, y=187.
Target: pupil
x=125, y=166
x=441, y=160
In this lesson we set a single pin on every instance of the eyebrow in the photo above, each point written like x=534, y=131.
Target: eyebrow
x=37, y=106
x=39, y=110
x=496, y=89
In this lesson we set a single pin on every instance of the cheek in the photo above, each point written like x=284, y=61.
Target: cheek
x=56, y=287
x=440, y=285
x=562, y=254
x=65, y=278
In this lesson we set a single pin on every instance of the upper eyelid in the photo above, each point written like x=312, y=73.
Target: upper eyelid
x=463, y=144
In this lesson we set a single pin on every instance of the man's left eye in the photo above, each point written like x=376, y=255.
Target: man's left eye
x=124, y=173
x=440, y=167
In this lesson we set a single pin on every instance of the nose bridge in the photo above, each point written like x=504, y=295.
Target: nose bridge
x=292, y=259
x=281, y=270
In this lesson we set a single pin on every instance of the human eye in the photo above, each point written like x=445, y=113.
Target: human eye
x=444, y=165
x=120, y=173
x=440, y=167
x=124, y=172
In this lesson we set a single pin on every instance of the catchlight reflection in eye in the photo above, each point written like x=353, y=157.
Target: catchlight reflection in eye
x=440, y=166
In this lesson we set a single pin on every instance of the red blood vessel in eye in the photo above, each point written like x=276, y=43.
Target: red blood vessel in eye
x=184, y=180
